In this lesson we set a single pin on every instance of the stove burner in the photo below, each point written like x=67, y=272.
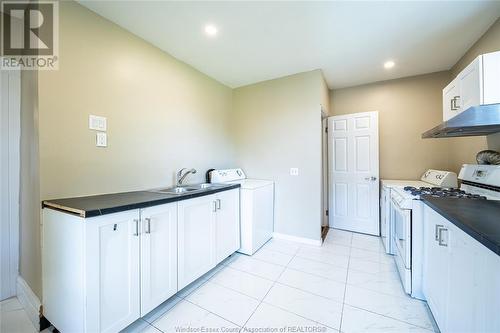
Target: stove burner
x=439, y=192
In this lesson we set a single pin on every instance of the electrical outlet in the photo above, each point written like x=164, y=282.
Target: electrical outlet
x=101, y=139
x=97, y=123
x=294, y=171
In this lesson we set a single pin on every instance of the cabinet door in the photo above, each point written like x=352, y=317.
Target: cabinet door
x=451, y=100
x=435, y=275
x=491, y=78
x=470, y=81
x=227, y=224
x=112, y=271
x=462, y=282
x=196, y=238
x=488, y=288
x=158, y=255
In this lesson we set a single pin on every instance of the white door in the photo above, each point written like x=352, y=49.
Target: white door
x=158, y=255
x=196, y=238
x=228, y=224
x=9, y=180
x=354, y=172
x=112, y=256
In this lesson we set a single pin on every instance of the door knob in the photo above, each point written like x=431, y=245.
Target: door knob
x=372, y=178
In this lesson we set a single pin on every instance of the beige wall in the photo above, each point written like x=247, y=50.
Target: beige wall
x=277, y=126
x=407, y=108
x=162, y=114
x=464, y=150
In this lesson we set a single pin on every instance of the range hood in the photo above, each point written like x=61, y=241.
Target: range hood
x=475, y=121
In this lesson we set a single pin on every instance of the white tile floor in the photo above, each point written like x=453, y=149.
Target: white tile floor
x=347, y=285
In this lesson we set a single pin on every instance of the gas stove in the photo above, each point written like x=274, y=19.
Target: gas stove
x=442, y=192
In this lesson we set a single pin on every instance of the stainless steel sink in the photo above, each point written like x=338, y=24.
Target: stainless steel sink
x=184, y=189
x=202, y=186
x=176, y=190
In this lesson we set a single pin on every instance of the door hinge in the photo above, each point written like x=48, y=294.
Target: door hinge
x=326, y=212
x=326, y=129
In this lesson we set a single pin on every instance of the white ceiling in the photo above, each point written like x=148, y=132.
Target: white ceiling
x=349, y=41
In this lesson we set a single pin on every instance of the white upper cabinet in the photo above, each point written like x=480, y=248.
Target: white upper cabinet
x=491, y=78
x=158, y=255
x=477, y=84
x=196, y=238
x=470, y=83
x=228, y=223
x=451, y=100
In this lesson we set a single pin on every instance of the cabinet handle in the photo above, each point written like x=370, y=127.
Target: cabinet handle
x=148, y=225
x=218, y=204
x=436, y=232
x=215, y=206
x=136, y=227
x=454, y=105
x=441, y=242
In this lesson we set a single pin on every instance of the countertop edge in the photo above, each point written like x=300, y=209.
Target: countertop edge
x=144, y=204
x=491, y=245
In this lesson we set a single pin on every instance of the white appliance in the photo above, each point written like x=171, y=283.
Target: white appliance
x=406, y=223
x=386, y=227
x=482, y=180
x=256, y=207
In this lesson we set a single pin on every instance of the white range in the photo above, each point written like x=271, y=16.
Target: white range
x=256, y=207
x=402, y=225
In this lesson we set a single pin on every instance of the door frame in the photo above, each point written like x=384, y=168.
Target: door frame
x=10, y=120
x=324, y=169
x=331, y=163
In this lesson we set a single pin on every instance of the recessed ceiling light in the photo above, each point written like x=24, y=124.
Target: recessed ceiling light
x=389, y=64
x=211, y=30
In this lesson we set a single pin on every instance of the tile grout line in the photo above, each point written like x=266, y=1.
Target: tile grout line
x=274, y=283
x=345, y=288
x=389, y=317
x=215, y=314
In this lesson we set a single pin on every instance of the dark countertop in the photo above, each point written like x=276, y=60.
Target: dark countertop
x=478, y=218
x=95, y=205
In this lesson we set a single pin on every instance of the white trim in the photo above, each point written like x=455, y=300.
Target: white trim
x=10, y=83
x=29, y=301
x=309, y=241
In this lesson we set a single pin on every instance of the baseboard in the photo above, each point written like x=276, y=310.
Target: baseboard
x=29, y=301
x=309, y=241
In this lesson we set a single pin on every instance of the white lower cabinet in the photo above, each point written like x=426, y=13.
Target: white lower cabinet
x=209, y=232
x=158, y=255
x=112, y=272
x=435, y=266
x=227, y=223
x=100, y=274
x=196, y=242
x=461, y=281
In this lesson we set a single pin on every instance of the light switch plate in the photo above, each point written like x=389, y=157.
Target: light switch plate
x=294, y=171
x=97, y=123
x=101, y=139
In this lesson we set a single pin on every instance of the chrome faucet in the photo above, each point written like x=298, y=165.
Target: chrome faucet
x=181, y=175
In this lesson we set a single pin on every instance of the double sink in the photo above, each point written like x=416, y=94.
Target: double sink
x=186, y=188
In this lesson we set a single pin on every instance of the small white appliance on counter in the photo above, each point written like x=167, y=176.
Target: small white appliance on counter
x=403, y=225
x=256, y=207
